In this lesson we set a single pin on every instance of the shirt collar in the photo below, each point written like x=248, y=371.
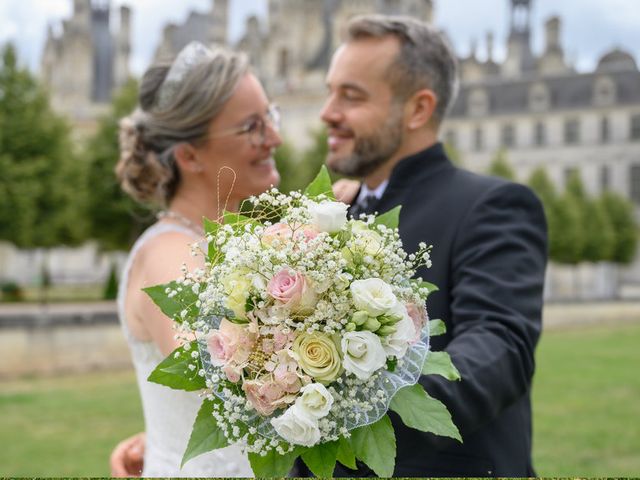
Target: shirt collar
x=367, y=192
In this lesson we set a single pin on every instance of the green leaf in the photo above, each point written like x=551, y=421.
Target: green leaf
x=389, y=219
x=437, y=327
x=206, y=435
x=321, y=459
x=320, y=185
x=211, y=228
x=439, y=363
x=422, y=412
x=345, y=454
x=273, y=464
x=184, y=299
x=235, y=219
x=375, y=445
x=174, y=372
x=429, y=286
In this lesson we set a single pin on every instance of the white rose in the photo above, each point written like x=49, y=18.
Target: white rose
x=296, y=427
x=328, y=216
x=368, y=241
x=315, y=401
x=398, y=342
x=363, y=353
x=373, y=296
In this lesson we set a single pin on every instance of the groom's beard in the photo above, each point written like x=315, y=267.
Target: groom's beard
x=372, y=151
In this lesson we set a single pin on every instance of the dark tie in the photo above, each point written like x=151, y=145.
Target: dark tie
x=367, y=206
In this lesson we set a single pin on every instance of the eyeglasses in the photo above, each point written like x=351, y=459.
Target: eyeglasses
x=255, y=128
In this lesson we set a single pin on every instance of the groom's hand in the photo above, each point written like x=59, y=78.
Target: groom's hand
x=346, y=190
x=127, y=459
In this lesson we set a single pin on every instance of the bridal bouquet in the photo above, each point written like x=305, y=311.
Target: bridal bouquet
x=304, y=329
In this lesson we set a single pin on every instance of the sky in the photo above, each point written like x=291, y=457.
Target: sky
x=589, y=28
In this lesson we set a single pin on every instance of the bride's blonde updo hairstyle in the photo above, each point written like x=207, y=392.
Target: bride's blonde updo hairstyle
x=177, y=102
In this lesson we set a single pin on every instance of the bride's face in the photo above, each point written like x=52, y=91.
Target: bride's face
x=241, y=140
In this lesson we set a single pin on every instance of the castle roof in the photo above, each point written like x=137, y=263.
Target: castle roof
x=617, y=59
x=567, y=92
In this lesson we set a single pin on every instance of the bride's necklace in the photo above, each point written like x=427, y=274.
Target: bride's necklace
x=173, y=215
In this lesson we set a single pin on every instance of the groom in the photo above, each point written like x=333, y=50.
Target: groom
x=390, y=84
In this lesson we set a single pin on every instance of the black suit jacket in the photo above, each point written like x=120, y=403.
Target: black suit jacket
x=489, y=257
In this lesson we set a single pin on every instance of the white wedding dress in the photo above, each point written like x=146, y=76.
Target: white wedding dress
x=169, y=414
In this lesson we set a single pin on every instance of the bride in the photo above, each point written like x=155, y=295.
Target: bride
x=201, y=141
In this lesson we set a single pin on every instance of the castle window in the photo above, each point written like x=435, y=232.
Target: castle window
x=539, y=135
x=450, y=138
x=635, y=127
x=283, y=63
x=508, y=136
x=478, y=102
x=604, y=91
x=571, y=131
x=478, y=139
x=605, y=178
x=634, y=178
x=539, y=97
x=605, y=130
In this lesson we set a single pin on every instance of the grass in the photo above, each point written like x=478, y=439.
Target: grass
x=586, y=411
x=586, y=403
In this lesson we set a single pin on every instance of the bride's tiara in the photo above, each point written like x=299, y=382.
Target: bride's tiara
x=193, y=54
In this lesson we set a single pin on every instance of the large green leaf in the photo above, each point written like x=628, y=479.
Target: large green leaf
x=273, y=464
x=439, y=363
x=174, y=372
x=206, y=435
x=184, y=299
x=390, y=219
x=211, y=228
x=320, y=185
x=422, y=412
x=321, y=459
x=234, y=218
x=375, y=445
x=437, y=327
x=346, y=455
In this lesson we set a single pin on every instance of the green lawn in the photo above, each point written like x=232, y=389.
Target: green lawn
x=586, y=401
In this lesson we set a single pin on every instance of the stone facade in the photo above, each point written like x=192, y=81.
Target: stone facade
x=83, y=62
x=544, y=113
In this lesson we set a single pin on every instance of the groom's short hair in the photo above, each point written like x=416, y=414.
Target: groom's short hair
x=425, y=60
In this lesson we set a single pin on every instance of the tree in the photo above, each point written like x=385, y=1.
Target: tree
x=115, y=220
x=298, y=173
x=600, y=238
x=566, y=245
x=625, y=230
x=500, y=166
x=42, y=194
x=541, y=184
x=454, y=154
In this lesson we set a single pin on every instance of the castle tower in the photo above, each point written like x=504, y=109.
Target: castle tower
x=220, y=21
x=552, y=61
x=123, y=48
x=102, y=78
x=520, y=59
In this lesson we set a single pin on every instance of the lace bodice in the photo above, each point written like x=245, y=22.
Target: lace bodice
x=169, y=414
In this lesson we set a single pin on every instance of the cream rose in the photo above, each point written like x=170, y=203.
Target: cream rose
x=315, y=400
x=328, y=216
x=297, y=428
x=318, y=356
x=236, y=287
x=363, y=353
x=373, y=296
x=398, y=342
x=367, y=241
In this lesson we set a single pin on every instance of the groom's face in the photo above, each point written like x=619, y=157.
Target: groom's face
x=364, y=120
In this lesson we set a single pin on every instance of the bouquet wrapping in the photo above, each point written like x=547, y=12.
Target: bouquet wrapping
x=302, y=331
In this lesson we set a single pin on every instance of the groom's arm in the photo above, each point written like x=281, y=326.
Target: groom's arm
x=498, y=264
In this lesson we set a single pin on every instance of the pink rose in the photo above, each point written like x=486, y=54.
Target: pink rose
x=265, y=395
x=233, y=372
x=291, y=290
x=419, y=317
x=285, y=233
x=230, y=341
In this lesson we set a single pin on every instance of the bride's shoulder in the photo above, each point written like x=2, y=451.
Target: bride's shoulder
x=166, y=252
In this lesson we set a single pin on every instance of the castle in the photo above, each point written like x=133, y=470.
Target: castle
x=85, y=63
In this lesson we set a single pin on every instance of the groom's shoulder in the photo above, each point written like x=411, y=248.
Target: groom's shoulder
x=478, y=185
